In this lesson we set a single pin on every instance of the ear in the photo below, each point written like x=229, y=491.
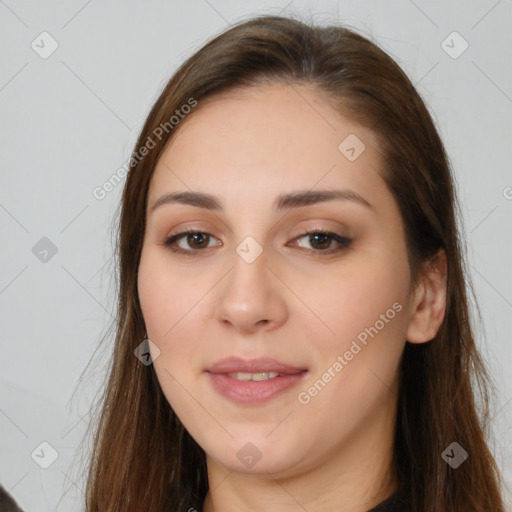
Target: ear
x=428, y=301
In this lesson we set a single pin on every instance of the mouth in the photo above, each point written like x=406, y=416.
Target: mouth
x=253, y=376
x=253, y=381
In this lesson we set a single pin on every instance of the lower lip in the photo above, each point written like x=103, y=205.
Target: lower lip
x=251, y=391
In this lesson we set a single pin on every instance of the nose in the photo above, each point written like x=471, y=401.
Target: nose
x=251, y=297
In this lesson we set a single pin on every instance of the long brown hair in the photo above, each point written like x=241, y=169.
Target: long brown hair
x=142, y=456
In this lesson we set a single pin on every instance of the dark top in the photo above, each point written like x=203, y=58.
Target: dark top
x=397, y=502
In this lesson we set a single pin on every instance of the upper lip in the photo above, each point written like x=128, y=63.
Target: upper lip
x=258, y=365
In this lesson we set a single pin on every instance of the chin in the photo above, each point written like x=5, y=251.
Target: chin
x=256, y=455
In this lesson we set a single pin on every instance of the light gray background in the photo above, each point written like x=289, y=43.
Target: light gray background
x=69, y=122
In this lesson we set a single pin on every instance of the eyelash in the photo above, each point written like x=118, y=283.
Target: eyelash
x=342, y=241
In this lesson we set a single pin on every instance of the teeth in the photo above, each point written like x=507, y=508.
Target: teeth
x=253, y=376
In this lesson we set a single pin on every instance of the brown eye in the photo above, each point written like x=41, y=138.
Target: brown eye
x=321, y=241
x=196, y=240
x=199, y=238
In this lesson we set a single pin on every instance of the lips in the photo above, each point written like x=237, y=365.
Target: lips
x=259, y=365
x=253, y=381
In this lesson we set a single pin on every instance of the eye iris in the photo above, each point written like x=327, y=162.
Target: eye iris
x=322, y=236
x=191, y=236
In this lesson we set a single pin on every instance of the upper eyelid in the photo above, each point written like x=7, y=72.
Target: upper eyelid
x=303, y=232
x=339, y=226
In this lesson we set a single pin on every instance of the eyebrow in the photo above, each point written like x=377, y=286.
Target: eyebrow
x=297, y=199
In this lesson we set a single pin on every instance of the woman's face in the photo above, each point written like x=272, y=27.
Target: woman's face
x=252, y=297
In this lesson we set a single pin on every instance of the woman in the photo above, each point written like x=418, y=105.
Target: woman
x=293, y=286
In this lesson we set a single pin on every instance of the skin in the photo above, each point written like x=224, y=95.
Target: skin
x=305, y=309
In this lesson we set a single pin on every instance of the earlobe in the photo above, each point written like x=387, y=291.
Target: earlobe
x=428, y=303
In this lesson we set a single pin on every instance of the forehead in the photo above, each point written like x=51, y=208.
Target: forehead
x=257, y=141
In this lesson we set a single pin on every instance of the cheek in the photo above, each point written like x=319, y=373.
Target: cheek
x=163, y=296
x=351, y=297
x=173, y=307
x=168, y=308
x=363, y=306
